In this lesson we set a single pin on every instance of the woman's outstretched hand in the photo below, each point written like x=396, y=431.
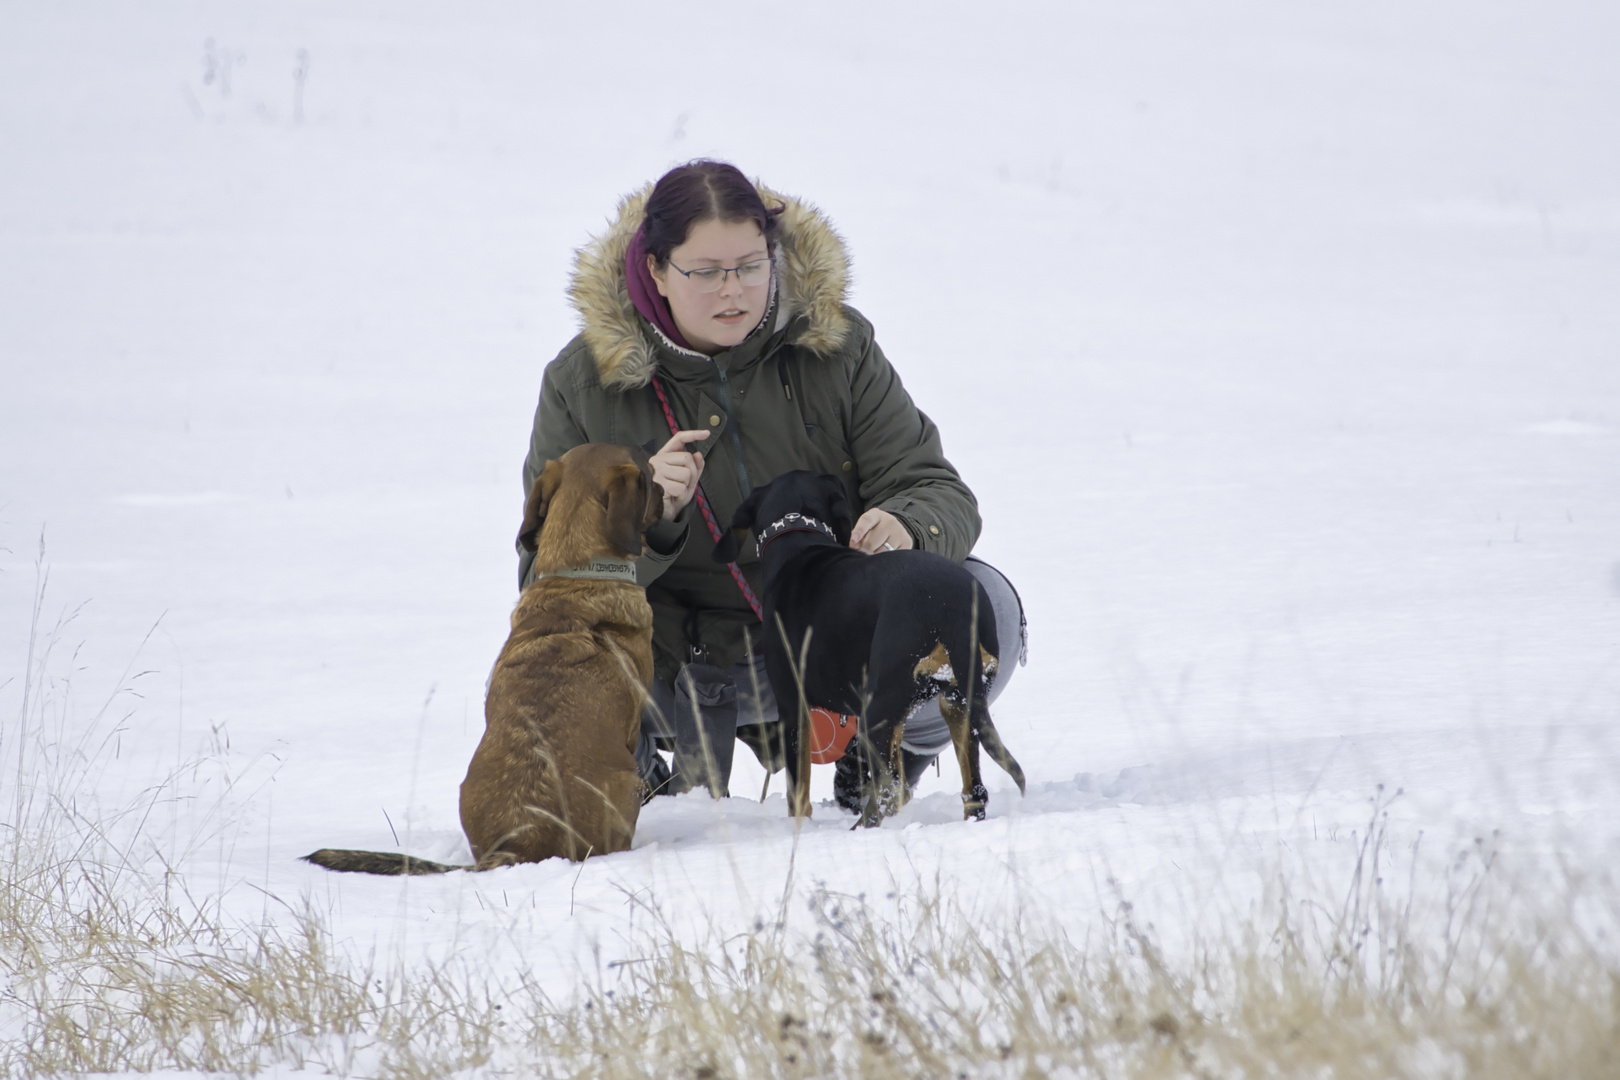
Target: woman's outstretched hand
x=879, y=530
x=677, y=471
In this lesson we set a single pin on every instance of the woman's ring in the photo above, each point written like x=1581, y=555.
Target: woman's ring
x=887, y=546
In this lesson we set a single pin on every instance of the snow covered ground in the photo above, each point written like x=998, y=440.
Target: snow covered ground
x=1271, y=337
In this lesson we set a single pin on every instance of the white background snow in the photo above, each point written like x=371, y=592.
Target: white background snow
x=1279, y=342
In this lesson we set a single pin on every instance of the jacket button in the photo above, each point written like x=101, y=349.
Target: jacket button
x=933, y=530
x=714, y=421
x=849, y=466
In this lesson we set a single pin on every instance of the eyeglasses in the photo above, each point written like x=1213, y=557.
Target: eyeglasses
x=710, y=278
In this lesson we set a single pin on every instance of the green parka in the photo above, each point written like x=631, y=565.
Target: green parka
x=809, y=389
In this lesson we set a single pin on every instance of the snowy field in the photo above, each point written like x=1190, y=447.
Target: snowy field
x=1270, y=336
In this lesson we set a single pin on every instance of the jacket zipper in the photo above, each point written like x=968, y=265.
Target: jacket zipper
x=731, y=430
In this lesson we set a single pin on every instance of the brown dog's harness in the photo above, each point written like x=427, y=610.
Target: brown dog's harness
x=794, y=522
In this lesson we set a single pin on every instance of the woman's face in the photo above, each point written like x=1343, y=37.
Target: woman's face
x=713, y=321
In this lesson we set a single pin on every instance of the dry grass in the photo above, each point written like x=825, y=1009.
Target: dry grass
x=1302, y=990
x=103, y=980
x=110, y=964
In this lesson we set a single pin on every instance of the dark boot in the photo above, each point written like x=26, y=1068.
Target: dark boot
x=848, y=775
x=651, y=768
x=705, y=721
x=850, y=772
x=765, y=740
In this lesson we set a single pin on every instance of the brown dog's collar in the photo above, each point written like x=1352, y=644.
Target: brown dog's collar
x=603, y=569
x=794, y=522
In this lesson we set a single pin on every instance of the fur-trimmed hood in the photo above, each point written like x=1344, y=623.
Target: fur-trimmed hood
x=811, y=261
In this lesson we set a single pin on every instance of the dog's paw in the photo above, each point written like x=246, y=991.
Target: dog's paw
x=891, y=797
x=974, y=802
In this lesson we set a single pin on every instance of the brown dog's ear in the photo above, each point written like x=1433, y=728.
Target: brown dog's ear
x=727, y=548
x=540, y=495
x=655, y=504
x=626, y=498
x=655, y=490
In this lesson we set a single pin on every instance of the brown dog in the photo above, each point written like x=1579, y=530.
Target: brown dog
x=555, y=773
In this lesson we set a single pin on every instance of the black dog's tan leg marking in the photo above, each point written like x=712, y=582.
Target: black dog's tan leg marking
x=893, y=794
x=880, y=754
x=967, y=714
x=974, y=795
x=986, y=732
x=936, y=665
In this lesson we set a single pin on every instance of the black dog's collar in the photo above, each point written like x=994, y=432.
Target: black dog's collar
x=794, y=522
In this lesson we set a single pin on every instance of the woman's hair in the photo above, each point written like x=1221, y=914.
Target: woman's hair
x=702, y=190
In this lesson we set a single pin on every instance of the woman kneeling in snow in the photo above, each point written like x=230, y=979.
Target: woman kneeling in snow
x=715, y=335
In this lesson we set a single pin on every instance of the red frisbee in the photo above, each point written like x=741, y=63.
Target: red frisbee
x=830, y=732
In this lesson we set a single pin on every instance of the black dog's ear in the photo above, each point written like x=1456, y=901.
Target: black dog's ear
x=540, y=495
x=838, y=508
x=727, y=548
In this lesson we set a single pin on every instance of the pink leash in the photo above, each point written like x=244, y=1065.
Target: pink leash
x=708, y=514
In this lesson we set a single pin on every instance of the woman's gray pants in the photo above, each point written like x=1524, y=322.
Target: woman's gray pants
x=708, y=709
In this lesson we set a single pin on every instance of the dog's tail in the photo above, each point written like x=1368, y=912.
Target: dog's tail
x=982, y=663
x=990, y=739
x=375, y=862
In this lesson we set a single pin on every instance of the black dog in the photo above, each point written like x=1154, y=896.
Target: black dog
x=871, y=635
